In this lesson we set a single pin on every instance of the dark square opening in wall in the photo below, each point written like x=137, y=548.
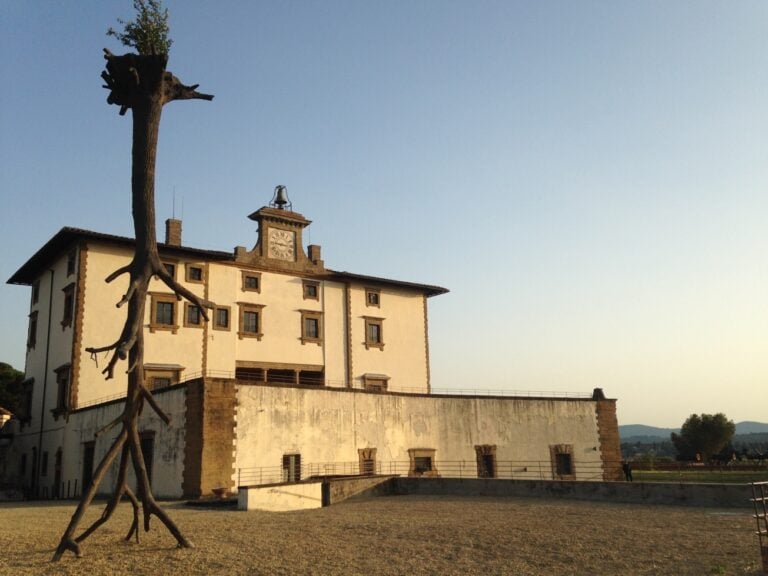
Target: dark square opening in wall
x=564, y=464
x=291, y=467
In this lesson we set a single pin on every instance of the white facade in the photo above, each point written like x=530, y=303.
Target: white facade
x=308, y=361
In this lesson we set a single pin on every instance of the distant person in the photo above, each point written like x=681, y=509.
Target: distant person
x=627, y=468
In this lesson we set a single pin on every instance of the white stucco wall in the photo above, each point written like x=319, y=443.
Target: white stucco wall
x=53, y=342
x=102, y=323
x=281, y=498
x=169, y=442
x=404, y=356
x=330, y=426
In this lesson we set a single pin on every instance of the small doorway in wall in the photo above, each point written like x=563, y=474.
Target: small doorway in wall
x=148, y=451
x=291, y=467
x=422, y=462
x=57, y=474
x=367, y=458
x=486, y=461
x=562, y=462
x=89, y=449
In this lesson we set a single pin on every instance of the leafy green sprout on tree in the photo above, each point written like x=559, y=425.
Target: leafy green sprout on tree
x=148, y=34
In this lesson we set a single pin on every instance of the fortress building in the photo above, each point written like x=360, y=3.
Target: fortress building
x=301, y=370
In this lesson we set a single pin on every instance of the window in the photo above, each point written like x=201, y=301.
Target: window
x=26, y=400
x=32, y=332
x=422, y=462
x=291, y=467
x=193, y=318
x=372, y=297
x=35, y=292
x=251, y=281
x=158, y=376
x=486, y=461
x=160, y=382
x=89, y=449
x=375, y=382
x=250, y=321
x=195, y=273
x=311, y=290
x=23, y=465
x=163, y=313
x=170, y=267
x=374, y=332
x=148, y=451
x=562, y=462
x=62, y=390
x=44, y=464
x=221, y=318
x=311, y=327
x=367, y=457
x=69, y=305
x=71, y=260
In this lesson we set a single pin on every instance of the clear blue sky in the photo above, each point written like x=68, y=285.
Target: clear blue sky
x=588, y=178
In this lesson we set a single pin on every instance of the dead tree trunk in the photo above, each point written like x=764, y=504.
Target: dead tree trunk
x=141, y=84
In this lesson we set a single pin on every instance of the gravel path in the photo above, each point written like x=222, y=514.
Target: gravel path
x=397, y=535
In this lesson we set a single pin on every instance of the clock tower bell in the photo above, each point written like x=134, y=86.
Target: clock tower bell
x=279, y=245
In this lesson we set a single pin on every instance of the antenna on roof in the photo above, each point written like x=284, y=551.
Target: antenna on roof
x=173, y=209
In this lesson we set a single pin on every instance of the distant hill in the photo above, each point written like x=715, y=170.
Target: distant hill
x=643, y=433
x=751, y=428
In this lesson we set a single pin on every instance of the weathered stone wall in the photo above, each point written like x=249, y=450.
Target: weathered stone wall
x=610, y=442
x=168, y=451
x=332, y=425
x=687, y=494
x=210, y=435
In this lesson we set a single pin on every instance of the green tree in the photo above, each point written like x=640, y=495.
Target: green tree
x=148, y=34
x=706, y=435
x=11, y=392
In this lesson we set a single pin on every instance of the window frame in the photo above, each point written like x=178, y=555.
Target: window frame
x=250, y=307
x=557, y=452
x=174, y=265
x=189, y=267
x=152, y=373
x=63, y=390
x=245, y=275
x=215, y=323
x=32, y=331
x=417, y=456
x=35, y=292
x=373, y=297
x=291, y=467
x=366, y=461
x=482, y=452
x=307, y=315
x=165, y=298
x=373, y=321
x=188, y=307
x=71, y=262
x=375, y=382
x=68, y=312
x=308, y=286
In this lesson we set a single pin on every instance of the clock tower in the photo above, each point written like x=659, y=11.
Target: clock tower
x=279, y=245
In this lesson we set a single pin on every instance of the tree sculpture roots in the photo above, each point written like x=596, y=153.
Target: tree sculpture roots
x=142, y=84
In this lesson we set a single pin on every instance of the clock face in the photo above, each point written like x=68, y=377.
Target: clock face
x=282, y=244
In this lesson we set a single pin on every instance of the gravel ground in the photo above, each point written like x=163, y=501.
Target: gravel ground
x=397, y=535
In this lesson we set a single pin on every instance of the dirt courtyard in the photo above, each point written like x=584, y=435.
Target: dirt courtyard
x=397, y=535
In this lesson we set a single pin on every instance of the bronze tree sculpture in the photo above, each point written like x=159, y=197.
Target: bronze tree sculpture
x=139, y=83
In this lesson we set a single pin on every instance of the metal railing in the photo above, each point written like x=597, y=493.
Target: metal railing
x=311, y=382
x=508, y=469
x=760, y=502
